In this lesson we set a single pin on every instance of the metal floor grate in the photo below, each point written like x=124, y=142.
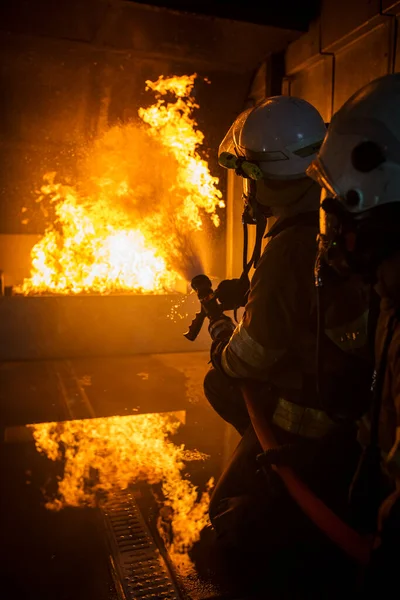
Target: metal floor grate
x=141, y=570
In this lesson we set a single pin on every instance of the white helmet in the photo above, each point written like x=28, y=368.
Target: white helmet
x=281, y=135
x=358, y=167
x=360, y=158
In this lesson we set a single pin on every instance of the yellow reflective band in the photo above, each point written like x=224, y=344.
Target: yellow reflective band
x=226, y=366
x=251, y=352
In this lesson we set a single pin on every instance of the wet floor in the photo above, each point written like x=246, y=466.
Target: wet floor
x=46, y=555
x=65, y=555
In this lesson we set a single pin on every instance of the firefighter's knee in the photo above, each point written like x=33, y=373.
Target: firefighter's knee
x=220, y=393
x=226, y=399
x=215, y=385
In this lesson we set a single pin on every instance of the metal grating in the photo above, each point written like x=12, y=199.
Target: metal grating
x=137, y=562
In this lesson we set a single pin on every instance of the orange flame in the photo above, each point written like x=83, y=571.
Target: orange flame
x=142, y=191
x=105, y=454
x=193, y=174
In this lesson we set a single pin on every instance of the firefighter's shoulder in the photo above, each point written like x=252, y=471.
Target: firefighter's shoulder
x=292, y=249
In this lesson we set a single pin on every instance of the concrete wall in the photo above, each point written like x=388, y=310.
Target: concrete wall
x=15, y=252
x=71, y=68
x=350, y=45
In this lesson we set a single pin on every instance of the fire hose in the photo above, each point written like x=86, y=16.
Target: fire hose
x=345, y=537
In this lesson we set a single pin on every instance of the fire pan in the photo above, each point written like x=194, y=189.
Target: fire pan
x=50, y=327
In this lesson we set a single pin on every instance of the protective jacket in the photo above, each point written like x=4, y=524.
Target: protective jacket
x=276, y=339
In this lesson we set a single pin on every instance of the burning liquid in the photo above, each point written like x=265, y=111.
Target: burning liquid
x=102, y=455
x=142, y=192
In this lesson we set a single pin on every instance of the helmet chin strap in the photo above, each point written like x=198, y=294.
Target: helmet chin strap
x=253, y=214
x=256, y=213
x=260, y=223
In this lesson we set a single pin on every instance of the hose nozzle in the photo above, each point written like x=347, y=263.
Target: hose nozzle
x=210, y=308
x=202, y=286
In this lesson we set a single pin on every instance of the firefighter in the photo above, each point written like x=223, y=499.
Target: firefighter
x=271, y=145
x=358, y=168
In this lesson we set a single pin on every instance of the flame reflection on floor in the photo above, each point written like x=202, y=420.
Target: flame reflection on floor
x=127, y=220
x=105, y=454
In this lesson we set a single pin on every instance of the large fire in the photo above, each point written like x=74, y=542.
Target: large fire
x=102, y=455
x=142, y=190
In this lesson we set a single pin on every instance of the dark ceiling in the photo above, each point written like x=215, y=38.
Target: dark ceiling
x=288, y=14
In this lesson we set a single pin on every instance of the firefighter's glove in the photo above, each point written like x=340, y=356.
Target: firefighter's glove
x=232, y=293
x=221, y=328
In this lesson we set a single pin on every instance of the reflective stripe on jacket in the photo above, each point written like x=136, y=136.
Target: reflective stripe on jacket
x=276, y=340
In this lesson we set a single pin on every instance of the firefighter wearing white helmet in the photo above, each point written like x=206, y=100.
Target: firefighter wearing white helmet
x=275, y=142
x=270, y=146
x=282, y=134
x=359, y=169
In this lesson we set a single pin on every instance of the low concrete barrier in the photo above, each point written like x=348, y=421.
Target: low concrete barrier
x=50, y=327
